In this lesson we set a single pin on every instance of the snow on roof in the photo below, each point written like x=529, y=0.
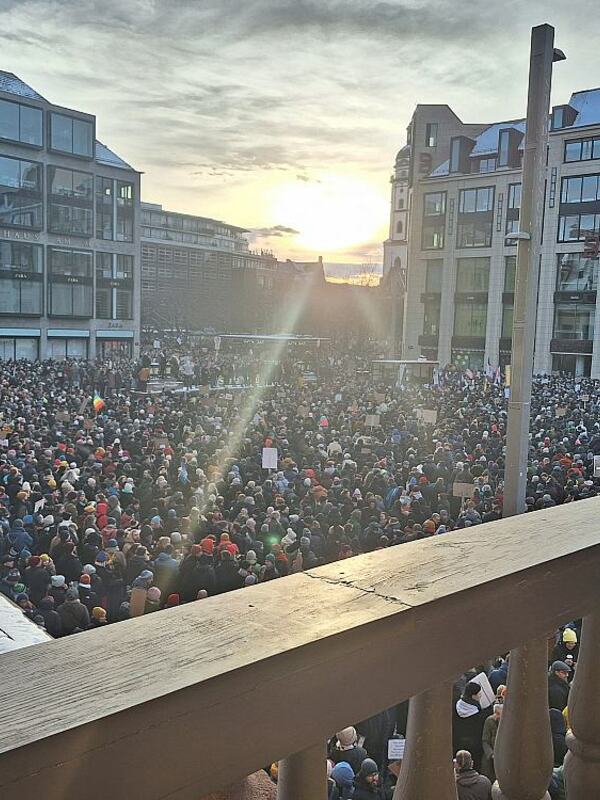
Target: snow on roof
x=106, y=156
x=443, y=169
x=587, y=104
x=13, y=85
x=487, y=142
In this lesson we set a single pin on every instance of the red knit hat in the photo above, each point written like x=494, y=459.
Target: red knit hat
x=85, y=580
x=173, y=600
x=208, y=546
x=34, y=561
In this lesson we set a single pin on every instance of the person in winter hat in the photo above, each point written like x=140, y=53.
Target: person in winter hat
x=468, y=721
x=58, y=590
x=343, y=776
x=52, y=620
x=98, y=618
x=567, y=646
x=347, y=749
x=152, y=600
x=470, y=785
x=366, y=782
x=73, y=614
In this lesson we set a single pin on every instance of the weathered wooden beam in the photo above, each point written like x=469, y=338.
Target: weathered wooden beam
x=155, y=707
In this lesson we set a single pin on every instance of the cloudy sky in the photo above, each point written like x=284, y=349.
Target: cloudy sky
x=284, y=116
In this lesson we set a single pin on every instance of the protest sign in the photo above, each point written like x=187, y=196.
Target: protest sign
x=488, y=696
x=372, y=420
x=269, y=458
x=396, y=747
x=596, y=466
x=462, y=489
x=429, y=415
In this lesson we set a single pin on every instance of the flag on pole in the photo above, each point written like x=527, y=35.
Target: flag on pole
x=98, y=403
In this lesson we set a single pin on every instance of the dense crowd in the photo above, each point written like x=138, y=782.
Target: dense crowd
x=151, y=500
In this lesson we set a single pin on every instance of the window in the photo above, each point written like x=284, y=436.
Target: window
x=580, y=189
x=474, y=200
x=507, y=321
x=114, y=286
x=71, y=135
x=433, y=237
x=486, y=165
x=434, y=204
x=455, y=153
x=470, y=319
x=472, y=274
x=400, y=203
x=575, y=227
x=20, y=193
x=17, y=347
x=474, y=234
x=514, y=195
x=59, y=348
x=104, y=208
x=70, y=282
x=572, y=321
x=399, y=226
x=20, y=123
x=431, y=317
x=21, y=278
x=69, y=202
x=503, y=148
x=510, y=272
x=576, y=273
x=512, y=226
x=433, y=279
x=431, y=132
x=124, y=227
x=582, y=149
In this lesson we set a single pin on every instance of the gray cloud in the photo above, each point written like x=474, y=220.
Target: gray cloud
x=274, y=231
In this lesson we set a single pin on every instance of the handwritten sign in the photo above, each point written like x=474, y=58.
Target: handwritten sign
x=396, y=748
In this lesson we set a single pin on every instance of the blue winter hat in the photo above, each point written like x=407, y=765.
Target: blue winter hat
x=342, y=773
x=28, y=520
x=20, y=597
x=112, y=543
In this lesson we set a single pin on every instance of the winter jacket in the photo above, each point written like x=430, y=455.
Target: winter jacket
x=364, y=790
x=467, y=729
x=470, y=785
x=353, y=756
x=488, y=740
x=558, y=692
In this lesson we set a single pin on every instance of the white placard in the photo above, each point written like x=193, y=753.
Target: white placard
x=3, y=442
x=488, y=696
x=38, y=505
x=596, y=466
x=396, y=749
x=269, y=458
x=372, y=420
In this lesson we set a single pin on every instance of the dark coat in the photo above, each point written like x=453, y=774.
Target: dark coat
x=196, y=574
x=73, y=615
x=470, y=785
x=558, y=692
x=37, y=580
x=354, y=756
x=364, y=790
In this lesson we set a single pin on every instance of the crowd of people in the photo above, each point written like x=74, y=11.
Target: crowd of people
x=133, y=502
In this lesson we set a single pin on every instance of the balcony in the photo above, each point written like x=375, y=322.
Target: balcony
x=184, y=702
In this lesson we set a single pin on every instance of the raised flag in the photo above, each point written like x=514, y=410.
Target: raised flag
x=98, y=403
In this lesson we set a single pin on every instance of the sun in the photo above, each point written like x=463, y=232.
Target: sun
x=333, y=213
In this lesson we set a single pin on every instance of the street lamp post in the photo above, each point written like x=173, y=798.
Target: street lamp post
x=529, y=237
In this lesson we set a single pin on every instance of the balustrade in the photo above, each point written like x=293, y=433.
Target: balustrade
x=184, y=702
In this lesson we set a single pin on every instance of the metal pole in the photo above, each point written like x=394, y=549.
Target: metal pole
x=528, y=253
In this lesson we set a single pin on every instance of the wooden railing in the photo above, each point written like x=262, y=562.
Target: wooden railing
x=180, y=703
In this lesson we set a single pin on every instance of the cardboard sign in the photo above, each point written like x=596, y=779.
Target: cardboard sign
x=463, y=489
x=62, y=416
x=372, y=420
x=160, y=441
x=585, y=398
x=379, y=397
x=269, y=458
x=488, y=696
x=596, y=466
x=561, y=411
x=429, y=415
x=396, y=748
x=88, y=424
x=137, y=601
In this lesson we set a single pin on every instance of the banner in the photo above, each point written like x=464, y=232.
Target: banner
x=269, y=458
x=463, y=489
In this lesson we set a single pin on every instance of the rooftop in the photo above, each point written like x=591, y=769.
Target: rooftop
x=105, y=155
x=158, y=208
x=12, y=84
x=587, y=104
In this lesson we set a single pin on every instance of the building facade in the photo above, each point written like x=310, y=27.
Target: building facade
x=69, y=234
x=200, y=274
x=464, y=195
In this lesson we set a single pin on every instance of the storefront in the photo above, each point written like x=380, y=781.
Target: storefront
x=16, y=343
x=67, y=343
x=117, y=344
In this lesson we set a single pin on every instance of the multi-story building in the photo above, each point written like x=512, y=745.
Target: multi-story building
x=200, y=274
x=463, y=199
x=69, y=234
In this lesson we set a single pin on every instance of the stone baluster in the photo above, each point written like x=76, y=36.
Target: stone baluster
x=303, y=775
x=523, y=754
x=582, y=762
x=427, y=772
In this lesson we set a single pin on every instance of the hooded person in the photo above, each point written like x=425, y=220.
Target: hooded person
x=468, y=721
x=470, y=785
x=568, y=645
x=73, y=614
x=347, y=749
x=152, y=600
x=52, y=620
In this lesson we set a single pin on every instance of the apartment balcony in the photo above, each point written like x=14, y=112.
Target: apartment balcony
x=184, y=702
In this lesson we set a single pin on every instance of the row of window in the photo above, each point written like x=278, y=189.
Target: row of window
x=160, y=219
x=24, y=124
x=470, y=200
x=70, y=201
x=571, y=321
x=575, y=273
x=70, y=282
